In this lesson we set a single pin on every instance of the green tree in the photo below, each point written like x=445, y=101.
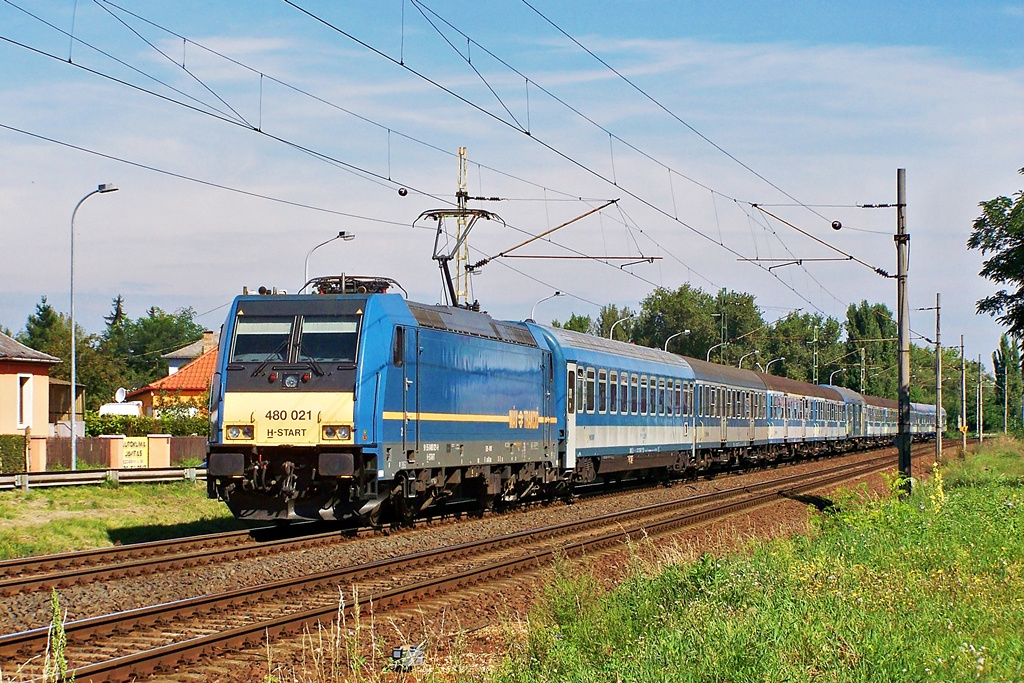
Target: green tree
x=999, y=231
x=44, y=330
x=608, y=316
x=873, y=328
x=664, y=313
x=804, y=341
x=576, y=323
x=150, y=336
x=50, y=332
x=1006, y=363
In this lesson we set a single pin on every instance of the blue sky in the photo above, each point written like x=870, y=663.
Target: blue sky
x=814, y=102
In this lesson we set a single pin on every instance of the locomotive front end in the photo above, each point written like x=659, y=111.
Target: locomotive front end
x=283, y=445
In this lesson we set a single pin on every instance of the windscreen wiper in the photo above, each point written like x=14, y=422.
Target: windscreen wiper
x=270, y=357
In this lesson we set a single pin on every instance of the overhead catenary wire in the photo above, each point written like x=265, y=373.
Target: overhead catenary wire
x=365, y=173
x=357, y=169
x=564, y=155
x=612, y=137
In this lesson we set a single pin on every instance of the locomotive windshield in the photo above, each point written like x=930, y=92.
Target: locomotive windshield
x=260, y=339
x=322, y=339
x=329, y=339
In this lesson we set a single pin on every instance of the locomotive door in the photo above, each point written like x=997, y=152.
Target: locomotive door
x=548, y=382
x=411, y=393
x=570, y=417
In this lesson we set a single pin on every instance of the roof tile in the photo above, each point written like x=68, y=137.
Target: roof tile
x=194, y=376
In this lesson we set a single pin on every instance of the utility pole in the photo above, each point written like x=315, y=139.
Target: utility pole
x=462, y=254
x=963, y=396
x=978, y=410
x=902, y=240
x=939, y=426
x=815, y=355
x=862, y=368
x=1005, y=404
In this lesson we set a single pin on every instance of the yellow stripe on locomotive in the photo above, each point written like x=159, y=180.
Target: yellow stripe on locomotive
x=282, y=419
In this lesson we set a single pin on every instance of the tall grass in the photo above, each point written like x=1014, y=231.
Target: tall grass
x=927, y=588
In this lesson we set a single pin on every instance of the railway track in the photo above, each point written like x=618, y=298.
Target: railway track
x=21, y=576
x=27, y=574
x=137, y=642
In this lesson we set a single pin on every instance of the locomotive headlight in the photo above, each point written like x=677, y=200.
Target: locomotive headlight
x=336, y=432
x=291, y=381
x=235, y=432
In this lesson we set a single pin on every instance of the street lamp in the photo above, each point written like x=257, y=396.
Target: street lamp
x=752, y=353
x=713, y=348
x=620, y=320
x=671, y=337
x=346, y=236
x=533, y=311
x=774, y=360
x=102, y=189
x=833, y=375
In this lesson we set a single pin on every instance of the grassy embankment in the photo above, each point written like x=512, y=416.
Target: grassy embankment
x=59, y=519
x=927, y=589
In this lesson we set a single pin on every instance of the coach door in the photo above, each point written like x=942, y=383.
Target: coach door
x=570, y=416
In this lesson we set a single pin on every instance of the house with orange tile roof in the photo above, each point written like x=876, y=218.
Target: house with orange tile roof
x=178, y=358
x=188, y=386
x=24, y=388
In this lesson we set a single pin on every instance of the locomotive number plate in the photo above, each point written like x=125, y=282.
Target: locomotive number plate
x=289, y=426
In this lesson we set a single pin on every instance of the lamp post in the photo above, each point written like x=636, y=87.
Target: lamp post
x=708, y=359
x=342, y=235
x=620, y=320
x=102, y=189
x=834, y=374
x=671, y=337
x=533, y=311
x=752, y=353
x=773, y=360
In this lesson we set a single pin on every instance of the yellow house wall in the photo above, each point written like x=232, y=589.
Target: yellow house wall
x=151, y=401
x=9, y=387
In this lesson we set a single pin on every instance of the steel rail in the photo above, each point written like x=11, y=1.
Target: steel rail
x=81, y=575
x=171, y=655
x=28, y=642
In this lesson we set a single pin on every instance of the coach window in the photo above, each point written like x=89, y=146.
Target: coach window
x=613, y=392
x=580, y=401
x=679, y=398
x=624, y=393
x=661, y=396
x=590, y=390
x=634, y=394
x=643, y=395
x=602, y=391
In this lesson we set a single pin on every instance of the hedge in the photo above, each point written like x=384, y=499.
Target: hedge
x=129, y=425
x=12, y=453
